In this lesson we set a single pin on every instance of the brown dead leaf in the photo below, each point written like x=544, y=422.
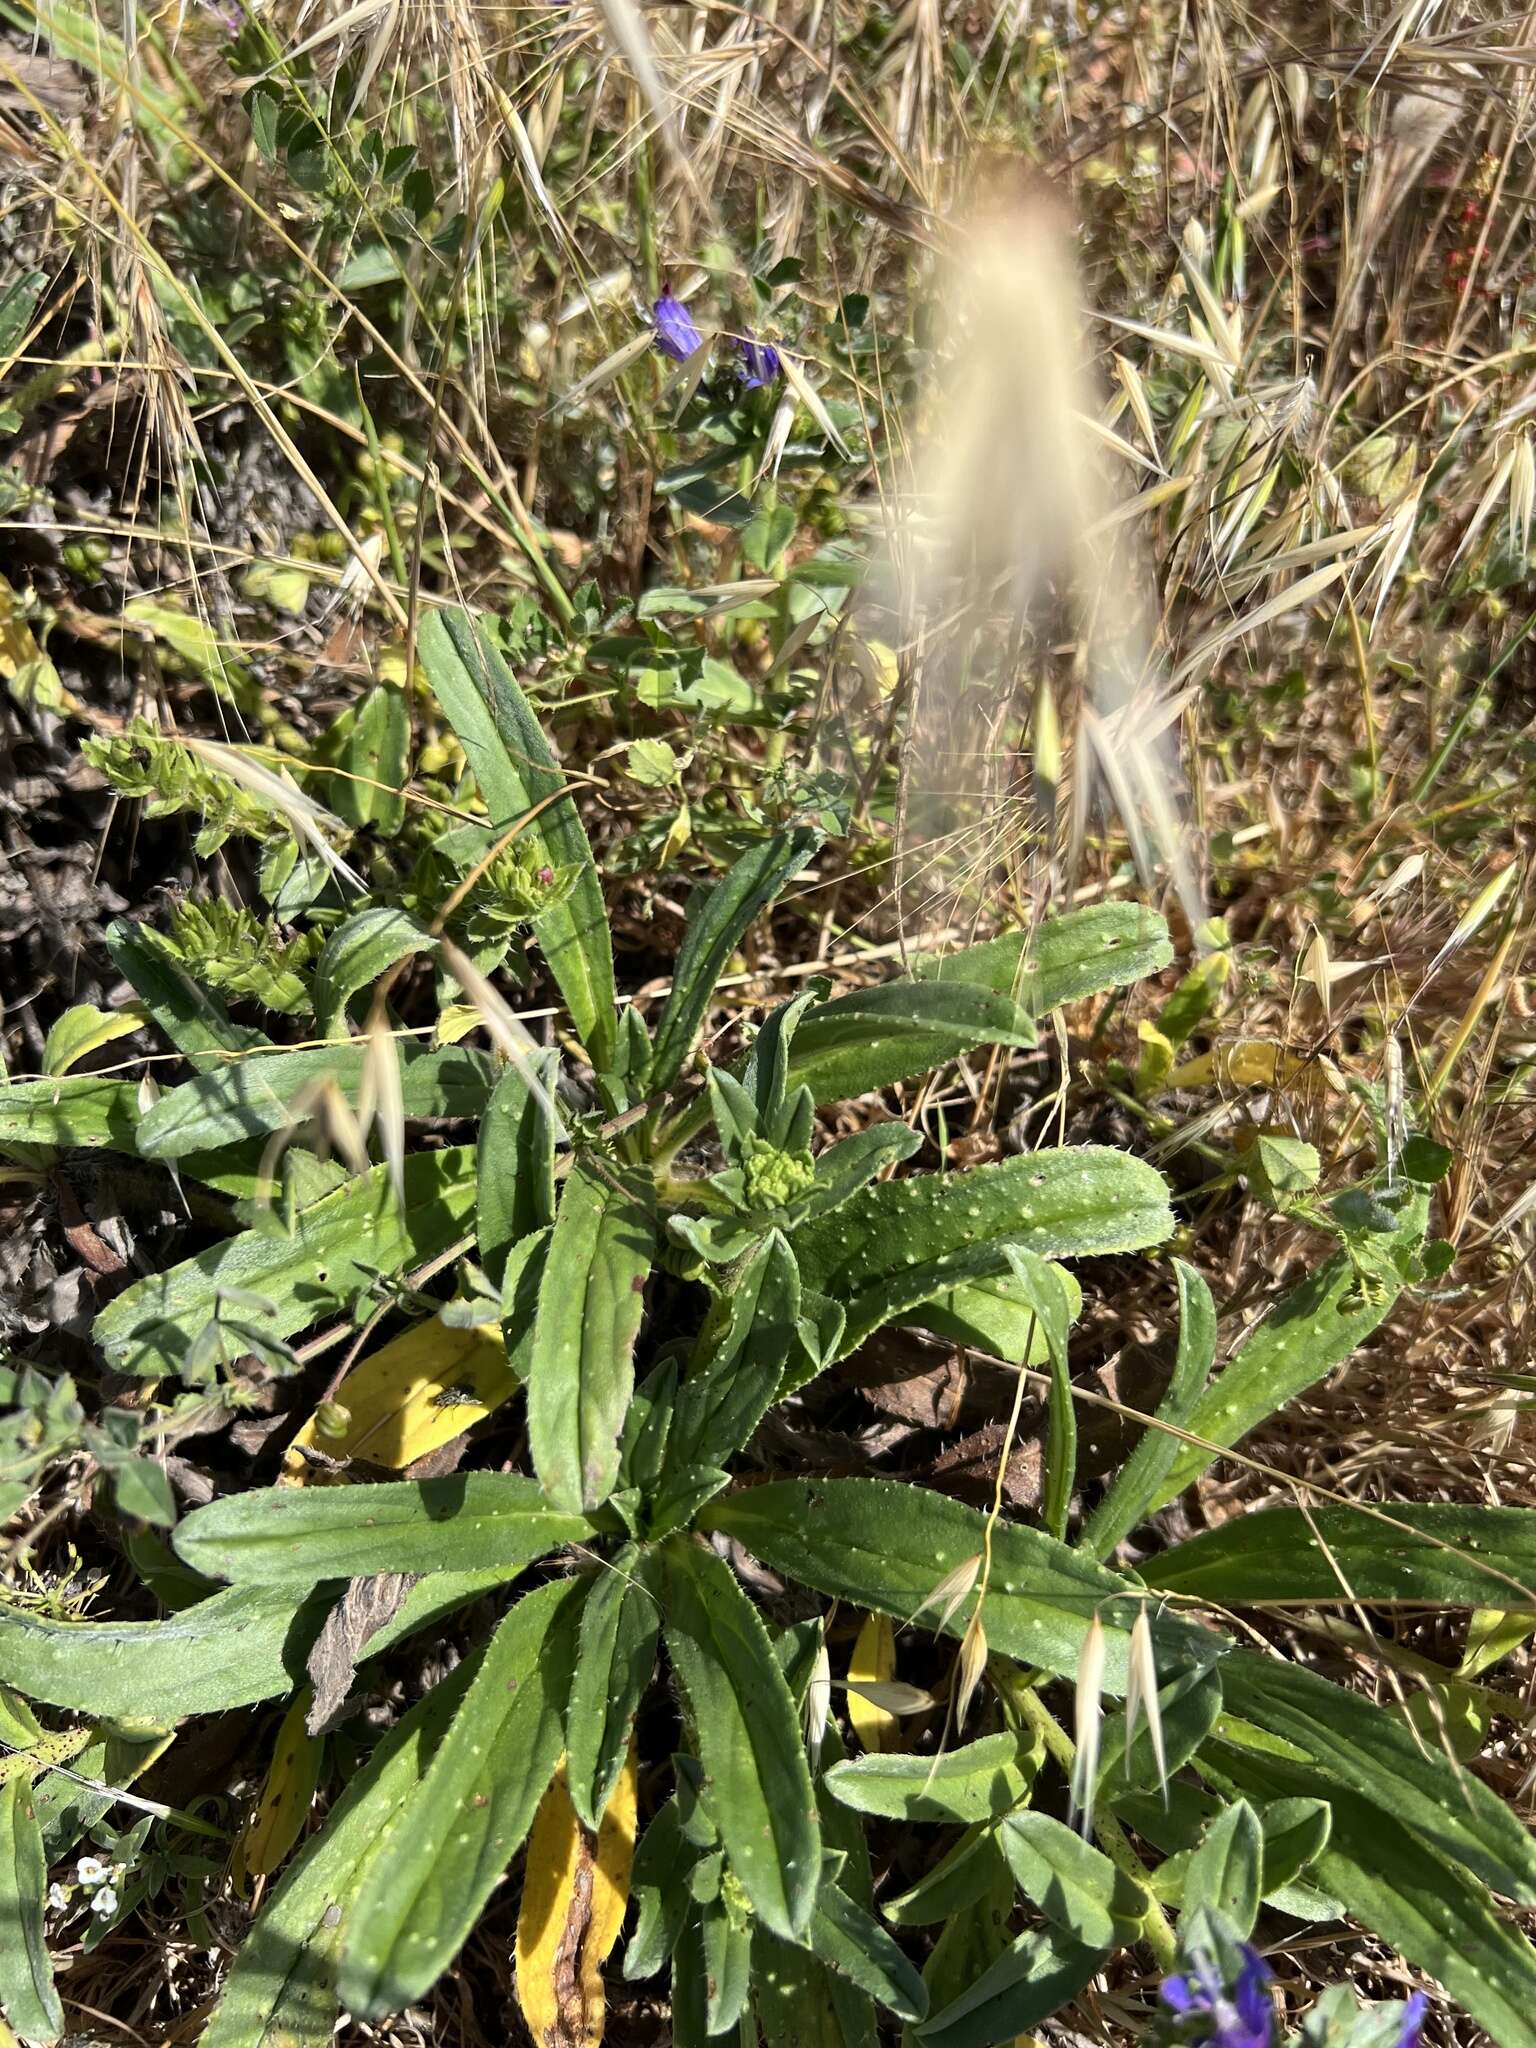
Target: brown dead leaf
x=968, y=1469
x=360, y=1613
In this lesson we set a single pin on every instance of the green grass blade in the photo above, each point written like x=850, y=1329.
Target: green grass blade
x=1136, y=1484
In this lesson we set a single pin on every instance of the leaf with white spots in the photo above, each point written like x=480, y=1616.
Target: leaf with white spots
x=1064, y=959
x=875, y=1037
x=591, y=1299
x=747, y=1732
x=882, y=1545
x=1077, y=1201
x=282, y=1988
x=298, y=1536
x=450, y=1841
x=1305, y=1335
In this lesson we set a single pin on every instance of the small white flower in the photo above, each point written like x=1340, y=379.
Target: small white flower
x=105, y=1902
x=91, y=1870
x=58, y=1898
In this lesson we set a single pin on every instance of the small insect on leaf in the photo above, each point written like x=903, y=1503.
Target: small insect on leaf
x=277, y=1819
x=424, y=1388
x=873, y=1662
x=575, y=1889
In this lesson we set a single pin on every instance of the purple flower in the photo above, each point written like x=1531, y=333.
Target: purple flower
x=1413, y=2021
x=676, y=335
x=759, y=363
x=1243, y=2018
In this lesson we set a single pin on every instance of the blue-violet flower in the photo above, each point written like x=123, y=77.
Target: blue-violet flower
x=676, y=334
x=1240, y=2018
x=759, y=363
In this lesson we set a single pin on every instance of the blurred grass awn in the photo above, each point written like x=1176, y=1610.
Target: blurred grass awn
x=1088, y=1726
x=1013, y=524
x=508, y=1033
x=299, y=811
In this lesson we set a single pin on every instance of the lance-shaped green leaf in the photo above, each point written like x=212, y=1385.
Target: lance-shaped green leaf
x=518, y=774
x=994, y=1316
x=892, y=1547
x=298, y=1536
x=85, y=1028
x=851, y=1164
x=721, y=1402
x=659, y=1888
x=1305, y=1335
x=747, y=1733
x=779, y=1109
x=1037, y=1976
x=616, y=1653
x=581, y=1371
x=1075, y=1202
x=1295, y=1834
x=800, y=2003
x=449, y=1842
x=252, y=1097
x=878, y=1036
x=963, y=1875
x=689, y=2002
x=26, y=1975
x=975, y=1782
x=281, y=1992
x=903, y=1296
x=716, y=927
x=980, y=1294
x=727, y=1944
x=354, y=956
x=70, y=1109
x=1139, y=1479
x=1075, y=1885
x=857, y=1947
x=1226, y=1870
x=1389, y=1877
x=968, y=1947
x=1431, y=1555
x=338, y=1246
x=1044, y=1289
x=515, y=1159
x=228, y=1651
x=1104, y=946
x=1377, y=1757
x=1175, y=1818
x=194, y=1021
x=369, y=742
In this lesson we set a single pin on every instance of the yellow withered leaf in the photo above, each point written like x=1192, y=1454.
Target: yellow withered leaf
x=575, y=1889
x=419, y=1392
x=874, y=1661
x=278, y=1816
x=25, y=670
x=1256, y=1063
